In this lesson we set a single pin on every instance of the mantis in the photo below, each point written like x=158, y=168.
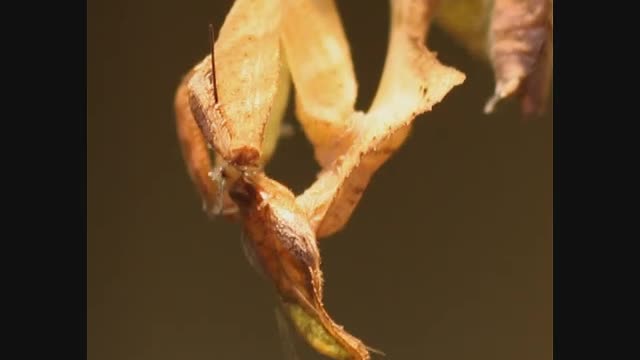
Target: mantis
x=232, y=102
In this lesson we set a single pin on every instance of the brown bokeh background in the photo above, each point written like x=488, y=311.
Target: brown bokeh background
x=448, y=256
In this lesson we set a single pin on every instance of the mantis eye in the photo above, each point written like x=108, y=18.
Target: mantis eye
x=243, y=194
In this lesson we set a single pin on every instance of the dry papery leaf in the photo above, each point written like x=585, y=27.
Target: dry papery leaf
x=521, y=45
x=238, y=124
x=515, y=36
x=319, y=57
x=413, y=80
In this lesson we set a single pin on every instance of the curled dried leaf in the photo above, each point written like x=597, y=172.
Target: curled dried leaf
x=283, y=246
x=315, y=333
x=319, y=57
x=283, y=242
x=248, y=52
x=520, y=40
x=413, y=81
x=515, y=36
x=274, y=128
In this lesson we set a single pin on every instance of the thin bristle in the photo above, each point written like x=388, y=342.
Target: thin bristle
x=213, y=63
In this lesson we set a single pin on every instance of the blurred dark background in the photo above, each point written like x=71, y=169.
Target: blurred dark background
x=448, y=256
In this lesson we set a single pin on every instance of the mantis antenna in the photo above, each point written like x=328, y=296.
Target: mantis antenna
x=213, y=63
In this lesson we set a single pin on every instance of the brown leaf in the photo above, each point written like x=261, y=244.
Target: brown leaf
x=283, y=247
x=520, y=41
x=275, y=128
x=248, y=52
x=318, y=55
x=412, y=82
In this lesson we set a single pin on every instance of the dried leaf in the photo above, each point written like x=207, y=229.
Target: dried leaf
x=515, y=36
x=317, y=335
x=520, y=41
x=412, y=82
x=248, y=52
x=318, y=55
x=284, y=246
x=274, y=128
